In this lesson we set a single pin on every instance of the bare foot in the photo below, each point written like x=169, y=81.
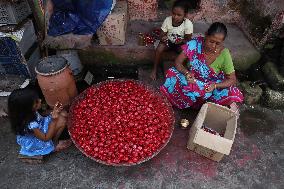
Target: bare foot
x=234, y=107
x=153, y=75
x=63, y=144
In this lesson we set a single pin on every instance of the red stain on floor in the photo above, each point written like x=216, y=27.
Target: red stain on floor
x=255, y=154
x=202, y=165
x=177, y=158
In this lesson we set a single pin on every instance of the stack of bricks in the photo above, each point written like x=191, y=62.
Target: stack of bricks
x=113, y=30
x=142, y=9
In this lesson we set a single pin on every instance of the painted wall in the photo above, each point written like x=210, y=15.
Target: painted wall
x=261, y=20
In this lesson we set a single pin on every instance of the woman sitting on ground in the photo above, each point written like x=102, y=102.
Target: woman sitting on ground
x=209, y=73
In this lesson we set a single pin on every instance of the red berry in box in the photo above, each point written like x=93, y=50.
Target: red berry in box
x=120, y=122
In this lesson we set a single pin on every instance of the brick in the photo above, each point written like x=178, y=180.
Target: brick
x=142, y=9
x=113, y=30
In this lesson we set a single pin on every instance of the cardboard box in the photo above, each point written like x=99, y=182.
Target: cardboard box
x=220, y=119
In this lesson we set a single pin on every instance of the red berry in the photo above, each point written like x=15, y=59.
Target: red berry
x=120, y=122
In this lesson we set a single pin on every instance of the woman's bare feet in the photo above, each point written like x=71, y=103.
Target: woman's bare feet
x=63, y=144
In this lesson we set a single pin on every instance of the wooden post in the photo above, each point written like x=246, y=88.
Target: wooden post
x=40, y=9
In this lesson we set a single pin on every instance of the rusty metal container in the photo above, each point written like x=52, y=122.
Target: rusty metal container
x=56, y=80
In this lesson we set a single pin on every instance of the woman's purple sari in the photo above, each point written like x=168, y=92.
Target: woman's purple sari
x=183, y=94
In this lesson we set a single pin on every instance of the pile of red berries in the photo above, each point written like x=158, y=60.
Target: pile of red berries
x=120, y=122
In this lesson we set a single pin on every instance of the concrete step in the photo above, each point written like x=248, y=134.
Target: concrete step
x=142, y=10
x=113, y=30
x=130, y=53
x=243, y=52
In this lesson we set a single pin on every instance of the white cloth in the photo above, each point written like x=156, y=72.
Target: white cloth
x=173, y=33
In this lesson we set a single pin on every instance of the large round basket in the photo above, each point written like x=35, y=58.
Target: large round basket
x=82, y=96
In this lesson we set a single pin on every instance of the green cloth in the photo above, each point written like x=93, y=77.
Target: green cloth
x=223, y=63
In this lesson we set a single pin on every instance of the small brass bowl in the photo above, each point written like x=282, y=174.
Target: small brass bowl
x=184, y=123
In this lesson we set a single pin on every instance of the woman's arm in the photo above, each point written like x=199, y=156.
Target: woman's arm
x=229, y=70
x=181, y=68
x=230, y=79
x=179, y=63
x=227, y=67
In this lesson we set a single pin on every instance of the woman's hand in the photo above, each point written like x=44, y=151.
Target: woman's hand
x=190, y=77
x=209, y=88
x=230, y=80
x=56, y=110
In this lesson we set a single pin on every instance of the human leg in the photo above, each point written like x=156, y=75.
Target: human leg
x=61, y=125
x=159, y=51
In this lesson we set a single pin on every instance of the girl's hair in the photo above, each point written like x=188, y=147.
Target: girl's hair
x=20, y=109
x=217, y=27
x=184, y=4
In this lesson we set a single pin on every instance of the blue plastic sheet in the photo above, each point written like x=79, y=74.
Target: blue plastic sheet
x=11, y=60
x=78, y=16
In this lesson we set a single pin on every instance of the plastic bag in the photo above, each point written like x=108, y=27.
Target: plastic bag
x=78, y=17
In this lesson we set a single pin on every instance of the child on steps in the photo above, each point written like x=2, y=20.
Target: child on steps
x=176, y=31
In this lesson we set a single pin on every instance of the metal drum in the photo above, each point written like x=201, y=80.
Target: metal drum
x=56, y=80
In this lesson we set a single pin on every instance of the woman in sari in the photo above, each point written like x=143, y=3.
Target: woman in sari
x=209, y=73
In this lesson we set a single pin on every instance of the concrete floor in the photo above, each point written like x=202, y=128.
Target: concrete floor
x=256, y=160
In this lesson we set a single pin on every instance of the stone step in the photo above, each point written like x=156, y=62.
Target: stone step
x=252, y=93
x=273, y=99
x=142, y=10
x=273, y=77
x=113, y=30
x=243, y=52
